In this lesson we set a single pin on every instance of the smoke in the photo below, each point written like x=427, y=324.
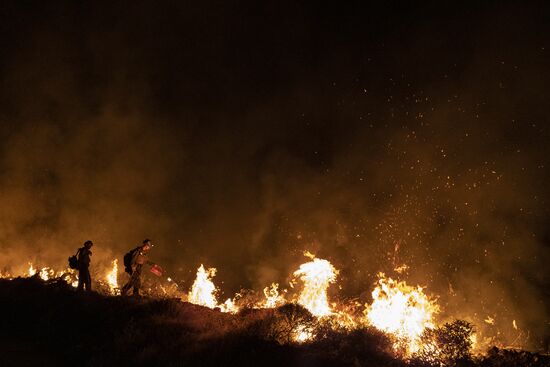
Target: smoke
x=240, y=142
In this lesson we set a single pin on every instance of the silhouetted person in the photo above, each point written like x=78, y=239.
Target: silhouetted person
x=84, y=278
x=138, y=259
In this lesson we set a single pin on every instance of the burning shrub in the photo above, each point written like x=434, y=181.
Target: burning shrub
x=403, y=311
x=446, y=345
x=285, y=325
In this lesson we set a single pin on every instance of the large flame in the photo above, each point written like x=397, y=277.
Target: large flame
x=401, y=310
x=317, y=276
x=203, y=291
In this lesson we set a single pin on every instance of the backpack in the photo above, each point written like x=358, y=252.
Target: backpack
x=128, y=260
x=73, y=260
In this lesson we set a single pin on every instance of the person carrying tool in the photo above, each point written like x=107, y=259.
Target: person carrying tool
x=133, y=263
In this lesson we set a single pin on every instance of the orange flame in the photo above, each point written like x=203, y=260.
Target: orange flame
x=203, y=291
x=317, y=276
x=272, y=297
x=401, y=310
x=31, y=270
x=112, y=278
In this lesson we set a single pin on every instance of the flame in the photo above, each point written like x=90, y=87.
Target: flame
x=229, y=306
x=398, y=309
x=203, y=291
x=401, y=310
x=44, y=274
x=317, y=276
x=272, y=297
x=70, y=276
x=473, y=339
x=302, y=334
x=32, y=270
x=112, y=278
x=47, y=273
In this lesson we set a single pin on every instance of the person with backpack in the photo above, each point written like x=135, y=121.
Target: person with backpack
x=133, y=263
x=83, y=263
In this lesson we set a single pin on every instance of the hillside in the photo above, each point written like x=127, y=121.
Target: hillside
x=49, y=324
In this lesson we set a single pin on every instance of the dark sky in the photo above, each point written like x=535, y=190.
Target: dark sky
x=239, y=135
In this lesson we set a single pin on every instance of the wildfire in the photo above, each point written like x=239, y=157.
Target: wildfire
x=302, y=334
x=317, y=276
x=398, y=309
x=32, y=270
x=203, y=292
x=401, y=310
x=272, y=297
x=229, y=306
x=74, y=283
x=112, y=278
x=46, y=274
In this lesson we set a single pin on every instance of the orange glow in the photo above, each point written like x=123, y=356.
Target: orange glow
x=401, y=310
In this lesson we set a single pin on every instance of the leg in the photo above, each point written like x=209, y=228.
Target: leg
x=124, y=291
x=80, y=279
x=126, y=287
x=137, y=285
x=88, y=280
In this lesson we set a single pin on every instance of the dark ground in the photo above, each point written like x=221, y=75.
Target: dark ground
x=52, y=325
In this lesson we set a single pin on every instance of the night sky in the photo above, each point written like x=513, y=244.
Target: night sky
x=240, y=135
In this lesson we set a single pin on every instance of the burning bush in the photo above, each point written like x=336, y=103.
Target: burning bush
x=446, y=345
x=284, y=325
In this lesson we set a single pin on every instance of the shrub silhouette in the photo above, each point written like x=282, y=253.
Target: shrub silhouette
x=447, y=345
x=497, y=357
x=282, y=324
